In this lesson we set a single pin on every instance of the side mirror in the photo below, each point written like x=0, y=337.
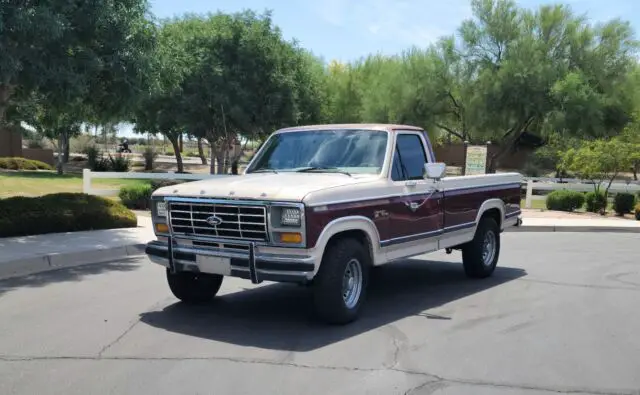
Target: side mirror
x=434, y=171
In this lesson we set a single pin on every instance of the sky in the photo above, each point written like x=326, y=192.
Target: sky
x=347, y=30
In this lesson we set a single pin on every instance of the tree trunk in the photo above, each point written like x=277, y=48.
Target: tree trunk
x=65, y=155
x=220, y=162
x=234, y=167
x=176, y=149
x=181, y=143
x=61, y=149
x=5, y=95
x=201, y=152
x=635, y=170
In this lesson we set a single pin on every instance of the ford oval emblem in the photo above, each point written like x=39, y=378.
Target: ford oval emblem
x=213, y=220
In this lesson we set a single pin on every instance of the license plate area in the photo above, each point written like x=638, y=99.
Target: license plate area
x=214, y=264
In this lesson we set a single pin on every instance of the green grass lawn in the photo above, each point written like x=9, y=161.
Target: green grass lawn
x=43, y=183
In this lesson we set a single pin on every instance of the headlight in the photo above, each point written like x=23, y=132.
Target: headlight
x=290, y=216
x=161, y=209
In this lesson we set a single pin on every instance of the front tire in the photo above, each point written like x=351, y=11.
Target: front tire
x=341, y=283
x=194, y=288
x=480, y=255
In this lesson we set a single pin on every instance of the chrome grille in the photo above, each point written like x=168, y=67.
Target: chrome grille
x=237, y=221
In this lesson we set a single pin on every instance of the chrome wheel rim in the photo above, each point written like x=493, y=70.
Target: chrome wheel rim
x=352, y=283
x=489, y=248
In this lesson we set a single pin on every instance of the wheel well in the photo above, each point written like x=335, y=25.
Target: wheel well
x=356, y=234
x=495, y=214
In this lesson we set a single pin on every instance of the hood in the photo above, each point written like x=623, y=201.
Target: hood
x=291, y=187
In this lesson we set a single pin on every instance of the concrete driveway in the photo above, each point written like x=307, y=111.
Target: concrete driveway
x=559, y=316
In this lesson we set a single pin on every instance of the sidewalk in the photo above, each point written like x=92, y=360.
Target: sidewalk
x=32, y=254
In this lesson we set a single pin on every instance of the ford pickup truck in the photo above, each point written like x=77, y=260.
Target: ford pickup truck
x=323, y=205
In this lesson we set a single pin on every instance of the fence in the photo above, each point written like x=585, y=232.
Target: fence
x=88, y=175
x=553, y=184
x=529, y=184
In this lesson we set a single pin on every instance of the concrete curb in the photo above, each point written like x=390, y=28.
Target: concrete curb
x=585, y=229
x=44, y=263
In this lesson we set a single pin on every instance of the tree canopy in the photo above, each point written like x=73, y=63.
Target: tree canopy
x=508, y=73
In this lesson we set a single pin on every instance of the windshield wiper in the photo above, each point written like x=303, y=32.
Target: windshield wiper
x=320, y=169
x=265, y=170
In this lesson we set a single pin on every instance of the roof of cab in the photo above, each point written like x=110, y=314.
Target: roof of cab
x=371, y=126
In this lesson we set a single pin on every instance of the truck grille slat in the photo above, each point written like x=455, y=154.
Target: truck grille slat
x=237, y=221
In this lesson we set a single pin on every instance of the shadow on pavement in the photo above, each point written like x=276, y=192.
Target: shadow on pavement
x=280, y=316
x=76, y=273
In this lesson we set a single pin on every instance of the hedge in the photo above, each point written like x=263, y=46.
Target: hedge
x=138, y=197
x=564, y=200
x=595, y=202
x=637, y=211
x=624, y=203
x=61, y=212
x=23, y=164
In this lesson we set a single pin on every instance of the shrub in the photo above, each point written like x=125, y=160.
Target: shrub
x=595, y=202
x=120, y=163
x=149, y=156
x=564, y=200
x=61, y=212
x=23, y=164
x=136, y=197
x=169, y=153
x=623, y=203
x=94, y=157
x=637, y=211
x=156, y=184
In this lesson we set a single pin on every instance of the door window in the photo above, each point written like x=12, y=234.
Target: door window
x=409, y=158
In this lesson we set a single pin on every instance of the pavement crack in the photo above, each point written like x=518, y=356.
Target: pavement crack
x=123, y=334
x=433, y=382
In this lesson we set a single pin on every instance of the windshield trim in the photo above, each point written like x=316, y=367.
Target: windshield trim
x=256, y=158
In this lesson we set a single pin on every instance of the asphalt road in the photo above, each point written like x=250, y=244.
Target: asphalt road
x=560, y=315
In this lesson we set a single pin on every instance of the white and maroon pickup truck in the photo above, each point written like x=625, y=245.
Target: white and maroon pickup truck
x=322, y=205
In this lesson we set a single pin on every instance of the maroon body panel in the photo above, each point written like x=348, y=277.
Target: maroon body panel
x=396, y=222
x=403, y=222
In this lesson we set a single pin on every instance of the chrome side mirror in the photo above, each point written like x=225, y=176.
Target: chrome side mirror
x=434, y=171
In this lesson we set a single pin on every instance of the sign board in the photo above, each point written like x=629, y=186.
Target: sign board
x=476, y=160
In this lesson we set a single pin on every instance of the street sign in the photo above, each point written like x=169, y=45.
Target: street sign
x=476, y=160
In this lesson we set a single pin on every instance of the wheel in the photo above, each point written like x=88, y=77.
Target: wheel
x=341, y=283
x=480, y=255
x=194, y=288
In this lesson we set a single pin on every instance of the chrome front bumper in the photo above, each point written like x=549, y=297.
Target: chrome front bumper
x=252, y=263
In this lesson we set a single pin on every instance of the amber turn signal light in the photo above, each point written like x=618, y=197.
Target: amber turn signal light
x=294, y=238
x=162, y=228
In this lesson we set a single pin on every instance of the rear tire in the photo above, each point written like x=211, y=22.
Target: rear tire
x=341, y=283
x=480, y=255
x=194, y=288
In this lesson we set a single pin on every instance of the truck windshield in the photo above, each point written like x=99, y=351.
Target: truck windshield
x=346, y=151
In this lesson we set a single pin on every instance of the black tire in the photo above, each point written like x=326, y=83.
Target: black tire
x=194, y=288
x=473, y=257
x=329, y=302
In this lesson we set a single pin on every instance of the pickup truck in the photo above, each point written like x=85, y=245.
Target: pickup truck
x=323, y=205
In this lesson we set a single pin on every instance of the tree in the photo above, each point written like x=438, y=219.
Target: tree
x=243, y=80
x=67, y=50
x=599, y=161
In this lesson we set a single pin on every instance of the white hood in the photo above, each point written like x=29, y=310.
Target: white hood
x=291, y=187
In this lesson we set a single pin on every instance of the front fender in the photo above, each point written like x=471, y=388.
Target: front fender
x=351, y=223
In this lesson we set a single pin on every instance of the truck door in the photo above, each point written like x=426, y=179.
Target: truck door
x=416, y=213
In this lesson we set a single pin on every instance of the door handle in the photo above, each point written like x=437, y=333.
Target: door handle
x=411, y=183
